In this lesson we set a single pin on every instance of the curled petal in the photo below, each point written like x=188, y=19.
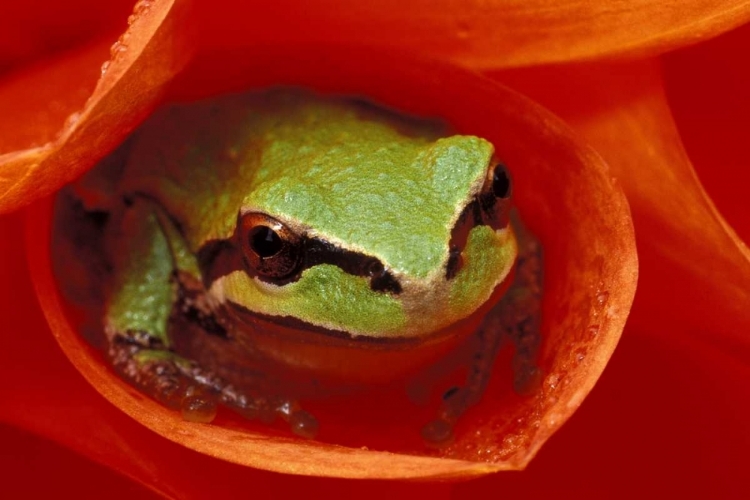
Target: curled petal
x=38, y=28
x=706, y=87
x=480, y=33
x=41, y=149
x=667, y=417
x=695, y=270
x=566, y=197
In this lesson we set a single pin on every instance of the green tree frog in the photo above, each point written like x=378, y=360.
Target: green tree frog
x=320, y=236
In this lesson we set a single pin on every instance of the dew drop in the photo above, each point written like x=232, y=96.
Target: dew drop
x=593, y=330
x=198, y=409
x=142, y=7
x=304, y=424
x=552, y=381
x=116, y=49
x=105, y=67
x=287, y=409
x=602, y=297
x=72, y=119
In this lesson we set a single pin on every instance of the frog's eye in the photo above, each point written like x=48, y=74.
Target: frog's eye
x=501, y=184
x=270, y=248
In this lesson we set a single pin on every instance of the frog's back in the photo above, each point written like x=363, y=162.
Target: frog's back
x=201, y=161
x=348, y=172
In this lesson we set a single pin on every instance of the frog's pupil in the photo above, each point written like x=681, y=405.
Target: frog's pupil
x=265, y=242
x=500, y=182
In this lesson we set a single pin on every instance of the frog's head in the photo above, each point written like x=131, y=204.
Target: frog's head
x=350, y=226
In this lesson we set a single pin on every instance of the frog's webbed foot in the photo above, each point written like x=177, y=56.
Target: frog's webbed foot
x=165, y=376
x=196, y=309
x=185, y=386
x=516, y=318
x=456, y=400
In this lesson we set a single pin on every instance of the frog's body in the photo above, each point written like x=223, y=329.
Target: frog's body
x=341, y=227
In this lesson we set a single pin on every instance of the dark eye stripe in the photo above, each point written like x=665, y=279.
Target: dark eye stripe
x=218, y=258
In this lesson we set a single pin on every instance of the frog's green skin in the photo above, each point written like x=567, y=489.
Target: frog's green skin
x=361, y=180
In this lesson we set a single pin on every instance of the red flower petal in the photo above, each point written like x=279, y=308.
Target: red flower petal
x=34, y=158
x=564, y=195
x=25, y=456
x=478, y=33
x=695, y=271
x=666, y=420
x=707, y=91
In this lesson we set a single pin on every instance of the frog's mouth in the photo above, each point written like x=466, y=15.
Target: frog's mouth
x=253, y=324
x=329, y=354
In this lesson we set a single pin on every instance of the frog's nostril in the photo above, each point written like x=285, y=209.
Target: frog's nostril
x=501, y=184
x=455, y=262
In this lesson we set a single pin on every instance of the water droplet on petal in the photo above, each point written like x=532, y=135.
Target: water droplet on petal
x=71, y=120
x=553, y=380
x=304, y=424
x=198, y=409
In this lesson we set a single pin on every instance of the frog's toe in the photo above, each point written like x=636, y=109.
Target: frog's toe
x=164, y=376
x=438, y=433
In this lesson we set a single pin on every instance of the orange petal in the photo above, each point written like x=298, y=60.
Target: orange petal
x=707, y=90
x=479, y=33
x=565, y=195
x=41, y=150
x=695, y=271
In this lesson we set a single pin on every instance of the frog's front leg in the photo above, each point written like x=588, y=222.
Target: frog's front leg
x=156, y=276
x=140, y=299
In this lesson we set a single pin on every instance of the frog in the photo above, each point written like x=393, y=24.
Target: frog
x=304, y=233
